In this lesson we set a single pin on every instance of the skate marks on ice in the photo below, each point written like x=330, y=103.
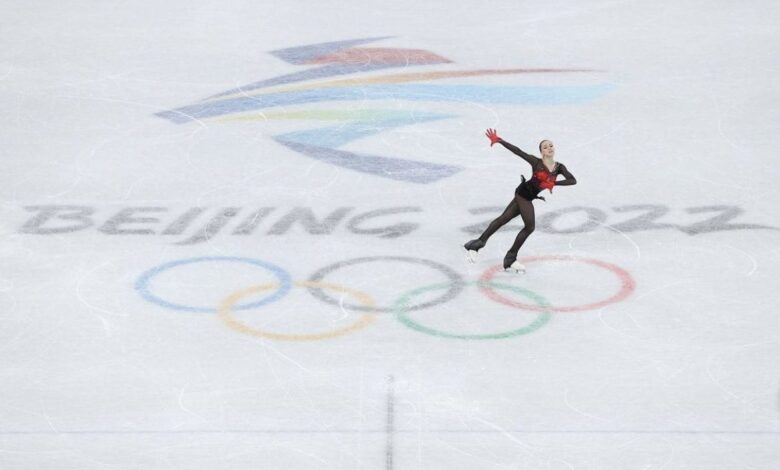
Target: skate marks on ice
x=237, y=288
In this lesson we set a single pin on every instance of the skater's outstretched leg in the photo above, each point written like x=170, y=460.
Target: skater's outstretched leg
x=512, y=210
x=473, y=246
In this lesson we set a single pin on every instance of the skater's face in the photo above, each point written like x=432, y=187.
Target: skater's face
x=547, y=148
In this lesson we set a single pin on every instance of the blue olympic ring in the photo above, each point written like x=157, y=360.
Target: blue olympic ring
x=142, y=285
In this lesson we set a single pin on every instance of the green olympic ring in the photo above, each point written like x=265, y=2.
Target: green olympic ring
x=402, y=313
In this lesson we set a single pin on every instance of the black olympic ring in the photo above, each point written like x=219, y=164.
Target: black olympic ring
x=456, y=280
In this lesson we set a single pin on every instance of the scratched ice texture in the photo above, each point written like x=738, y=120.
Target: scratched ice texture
x=231, y=235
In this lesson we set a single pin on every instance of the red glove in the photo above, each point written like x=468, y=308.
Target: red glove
x=493, y=136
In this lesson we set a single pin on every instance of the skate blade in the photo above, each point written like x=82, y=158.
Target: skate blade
x=471, y=256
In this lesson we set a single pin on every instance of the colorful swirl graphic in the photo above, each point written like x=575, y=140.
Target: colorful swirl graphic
x=335, y=59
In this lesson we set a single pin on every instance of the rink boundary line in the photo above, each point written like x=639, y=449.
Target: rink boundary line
x=390, y=424
x=384, y=431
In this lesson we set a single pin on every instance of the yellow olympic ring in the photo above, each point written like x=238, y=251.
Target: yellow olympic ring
x=225, y=312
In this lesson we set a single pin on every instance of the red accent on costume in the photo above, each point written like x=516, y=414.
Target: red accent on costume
x=546, y=179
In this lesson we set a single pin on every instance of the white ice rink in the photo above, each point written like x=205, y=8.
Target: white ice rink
x=231, y=235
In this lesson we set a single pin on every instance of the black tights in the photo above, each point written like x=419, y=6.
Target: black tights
x=517, y=206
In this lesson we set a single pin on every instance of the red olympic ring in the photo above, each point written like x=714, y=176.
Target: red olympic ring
x=627, y=285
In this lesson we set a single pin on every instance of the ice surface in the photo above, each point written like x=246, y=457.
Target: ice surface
x=206, y=266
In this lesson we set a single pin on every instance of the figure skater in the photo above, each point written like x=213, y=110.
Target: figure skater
x=545, y=171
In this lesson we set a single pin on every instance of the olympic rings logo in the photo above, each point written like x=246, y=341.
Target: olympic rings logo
x=402, y=309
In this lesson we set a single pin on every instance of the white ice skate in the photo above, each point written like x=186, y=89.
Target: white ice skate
x=516, y=267
x=472, y=248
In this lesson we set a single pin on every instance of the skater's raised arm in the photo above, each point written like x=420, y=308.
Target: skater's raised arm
x=495, y=139
x=568, y=180
x=525, y=156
